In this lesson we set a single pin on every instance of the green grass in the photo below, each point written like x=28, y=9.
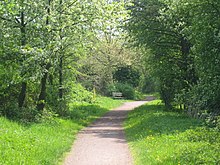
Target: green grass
x=109, y=103
x=168, y=138
x=36, y=143
x=47, y=142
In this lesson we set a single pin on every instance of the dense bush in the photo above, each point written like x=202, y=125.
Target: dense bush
x=127, y=75
x=138, y=95
x=111, y=88
x=147, y=84
x=79, y=94
x=127, y=90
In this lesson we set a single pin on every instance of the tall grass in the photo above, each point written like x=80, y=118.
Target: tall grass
x=46, y=143
x=169, y=138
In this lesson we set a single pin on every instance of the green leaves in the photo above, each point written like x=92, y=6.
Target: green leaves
x=184, y=39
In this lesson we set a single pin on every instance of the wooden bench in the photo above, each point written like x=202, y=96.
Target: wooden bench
x=117, y=95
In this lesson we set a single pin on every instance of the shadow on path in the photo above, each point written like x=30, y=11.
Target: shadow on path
x=103, y=142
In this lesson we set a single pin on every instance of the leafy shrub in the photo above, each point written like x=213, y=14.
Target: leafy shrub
x=201, y=99
x=126, y=90
x=111, y=88
x=47, y=116
x=127, y=75
x=138, y=95
x=79, y=94
x=147, y=84
x=24, y=114
x=9, y=88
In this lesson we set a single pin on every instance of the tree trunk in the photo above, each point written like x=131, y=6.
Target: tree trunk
x=42, y=96
x=185, y=50
x=61, y=78
x=188, y=62
x=61, y=59
x=188, y=67
x=22, y=94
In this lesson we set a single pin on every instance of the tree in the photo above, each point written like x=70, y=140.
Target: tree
x=127, y=74
x=70, y=27
x=202, y=28
x=170, y=57
x=18, y=25
x=108, y=51
x=42, y=42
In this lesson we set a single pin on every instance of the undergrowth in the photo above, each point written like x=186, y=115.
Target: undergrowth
x=170, y=138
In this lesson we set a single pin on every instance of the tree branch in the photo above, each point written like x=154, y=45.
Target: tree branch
x=28, y=21
x=6, y=19
x=168, y=44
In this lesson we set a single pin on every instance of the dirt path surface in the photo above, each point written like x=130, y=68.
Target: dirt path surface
x=103, y=142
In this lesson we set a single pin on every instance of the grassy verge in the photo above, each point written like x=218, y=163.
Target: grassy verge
x=168, y=138
x=45, y=143
x=85, y=113
x=109, y=103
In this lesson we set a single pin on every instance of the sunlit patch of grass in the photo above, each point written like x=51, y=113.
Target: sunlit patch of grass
x=86, y=113
x=160, y=137
x=36, y=143
x=109, y=103
x=47, y=142
x=155, y=94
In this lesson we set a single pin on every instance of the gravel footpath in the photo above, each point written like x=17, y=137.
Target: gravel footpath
x=103, y=142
